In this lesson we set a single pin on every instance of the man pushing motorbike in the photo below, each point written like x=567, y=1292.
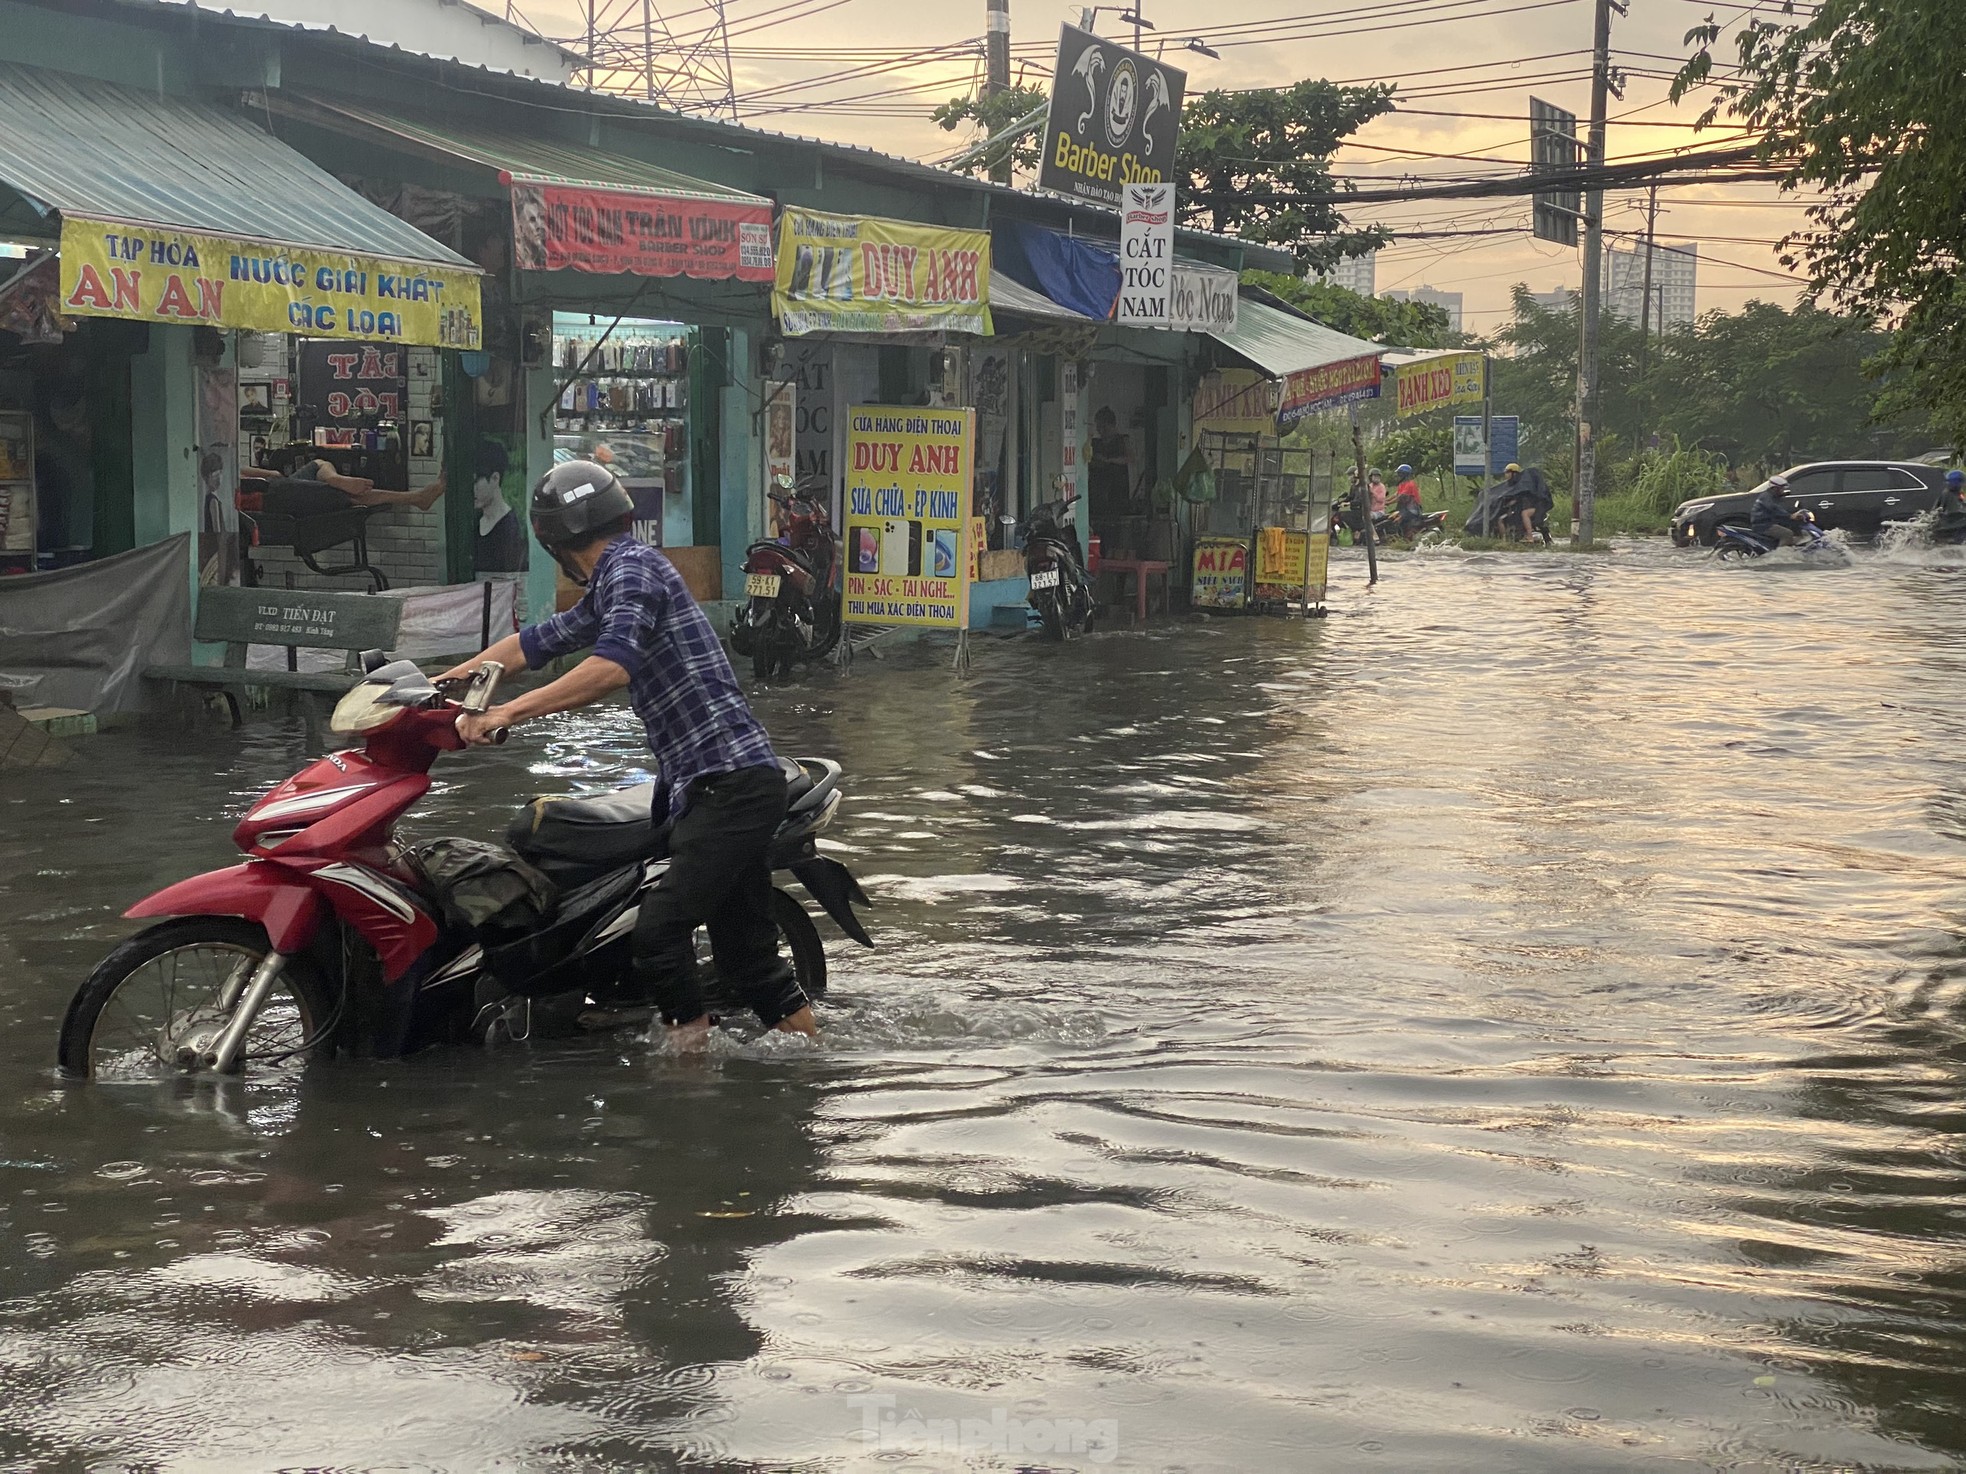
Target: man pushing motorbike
x=720, y=787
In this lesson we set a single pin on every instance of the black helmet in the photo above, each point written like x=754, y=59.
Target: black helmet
x=574, y=501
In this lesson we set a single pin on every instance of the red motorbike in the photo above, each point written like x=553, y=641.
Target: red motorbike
x=333, y=936
x=792, y=586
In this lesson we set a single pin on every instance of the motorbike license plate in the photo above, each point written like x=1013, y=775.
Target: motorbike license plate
x=1045, y=578
x=761, y=585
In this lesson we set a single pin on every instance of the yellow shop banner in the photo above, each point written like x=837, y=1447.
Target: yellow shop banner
x=181, y=276
x=908, y=477
x=860, y=274
x=1435, y=383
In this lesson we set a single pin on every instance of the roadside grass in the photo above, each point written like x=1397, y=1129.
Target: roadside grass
x=1628, y=515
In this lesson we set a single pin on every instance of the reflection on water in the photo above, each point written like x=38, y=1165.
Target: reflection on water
x=1512, y=1024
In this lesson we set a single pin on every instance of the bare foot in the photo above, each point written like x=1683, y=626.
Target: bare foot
x=431, y=494
x=801, y=1022
x=692, y=1037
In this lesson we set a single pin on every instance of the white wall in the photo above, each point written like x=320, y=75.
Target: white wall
x=446, y=29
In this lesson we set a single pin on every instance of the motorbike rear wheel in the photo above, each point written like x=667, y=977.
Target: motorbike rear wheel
x=1051, y=616
x=157, y=995
x=1729, y=551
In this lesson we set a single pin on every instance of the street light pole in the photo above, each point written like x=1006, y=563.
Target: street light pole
x=1586, y=482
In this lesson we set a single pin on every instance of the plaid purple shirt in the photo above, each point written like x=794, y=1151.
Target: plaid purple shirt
x=638, y=613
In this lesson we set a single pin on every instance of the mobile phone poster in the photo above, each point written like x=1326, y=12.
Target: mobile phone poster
x=908, y=477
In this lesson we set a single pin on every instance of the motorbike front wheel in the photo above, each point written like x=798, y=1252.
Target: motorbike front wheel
x=154, y=1003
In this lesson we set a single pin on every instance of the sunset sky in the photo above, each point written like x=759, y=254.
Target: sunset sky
x=1457, y=57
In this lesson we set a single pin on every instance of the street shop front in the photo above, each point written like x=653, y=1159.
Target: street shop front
x=167, y=243
x=885, y=324
x=623, y=300
x=1261, y=504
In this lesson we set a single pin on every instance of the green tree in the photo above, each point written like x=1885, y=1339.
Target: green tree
x=1861, y=99
x=1237, y=146
x=1233, y=146
x=989, y=116
x=1383, y=320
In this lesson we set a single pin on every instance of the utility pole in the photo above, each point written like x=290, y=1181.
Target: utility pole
x=996, y=40
x=1645, y=298
x=1586, y=481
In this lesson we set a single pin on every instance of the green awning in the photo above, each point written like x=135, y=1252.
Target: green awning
x=1281, y=345
x=512, y=156
x=90, y=150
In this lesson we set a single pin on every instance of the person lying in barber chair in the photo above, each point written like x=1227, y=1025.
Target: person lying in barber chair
x=317, y=489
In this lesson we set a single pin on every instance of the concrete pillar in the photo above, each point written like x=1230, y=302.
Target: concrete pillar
x=539, y=385
x=741, y=461
x=163, y=443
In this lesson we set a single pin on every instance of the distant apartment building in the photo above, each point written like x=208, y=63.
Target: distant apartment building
x=1448, y=302
x=1355, y=274
x=1559, y=300
x=1675, y=272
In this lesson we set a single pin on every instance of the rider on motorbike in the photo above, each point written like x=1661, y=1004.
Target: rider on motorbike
x=1531, y=492
x=1406, y=503
x=1771, y=518
x=722, y=790
x=1950, y=524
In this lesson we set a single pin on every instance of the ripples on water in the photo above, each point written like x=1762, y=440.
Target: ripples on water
x=1513, y=1024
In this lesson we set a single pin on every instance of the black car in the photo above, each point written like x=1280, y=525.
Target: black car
x=1856, y=496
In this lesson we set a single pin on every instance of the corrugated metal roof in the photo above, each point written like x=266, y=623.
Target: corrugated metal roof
x=1009, y=295
x=529, y=158
x=1281, y=344
x=258, y=15
x=183, y=165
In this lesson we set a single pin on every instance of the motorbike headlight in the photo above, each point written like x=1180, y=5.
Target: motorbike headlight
x=362, y=710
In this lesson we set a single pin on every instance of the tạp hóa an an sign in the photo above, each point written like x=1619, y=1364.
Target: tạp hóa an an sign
x=861, y=274
x=1113, y=121
x=1435, y=383
x=182, y=276
x=908, y=479
x=563, y=227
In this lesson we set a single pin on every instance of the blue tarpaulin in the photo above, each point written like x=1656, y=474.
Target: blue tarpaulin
x=1073, y=272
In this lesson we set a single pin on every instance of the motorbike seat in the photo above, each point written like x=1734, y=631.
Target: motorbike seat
x=619, y=828
x=608, y=829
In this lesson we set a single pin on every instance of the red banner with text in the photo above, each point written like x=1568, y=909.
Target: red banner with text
x=563, y=227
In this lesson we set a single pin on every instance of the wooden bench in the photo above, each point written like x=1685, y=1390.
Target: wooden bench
x=296, y=618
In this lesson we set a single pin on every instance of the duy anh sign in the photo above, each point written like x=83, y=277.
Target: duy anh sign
x=862, y=274
x=908, y=475
x=182, y=276
x=1146, y=256
x=1113, y=119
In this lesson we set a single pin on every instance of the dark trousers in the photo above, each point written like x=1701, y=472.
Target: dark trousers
x=720, y=877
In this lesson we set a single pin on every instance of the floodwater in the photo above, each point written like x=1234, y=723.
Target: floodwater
x=1514, y=1024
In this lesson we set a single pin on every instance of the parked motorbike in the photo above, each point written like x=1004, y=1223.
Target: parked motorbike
x=1734, y=544
x=792, y=587
x=1061, y=589
x=334, y=937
